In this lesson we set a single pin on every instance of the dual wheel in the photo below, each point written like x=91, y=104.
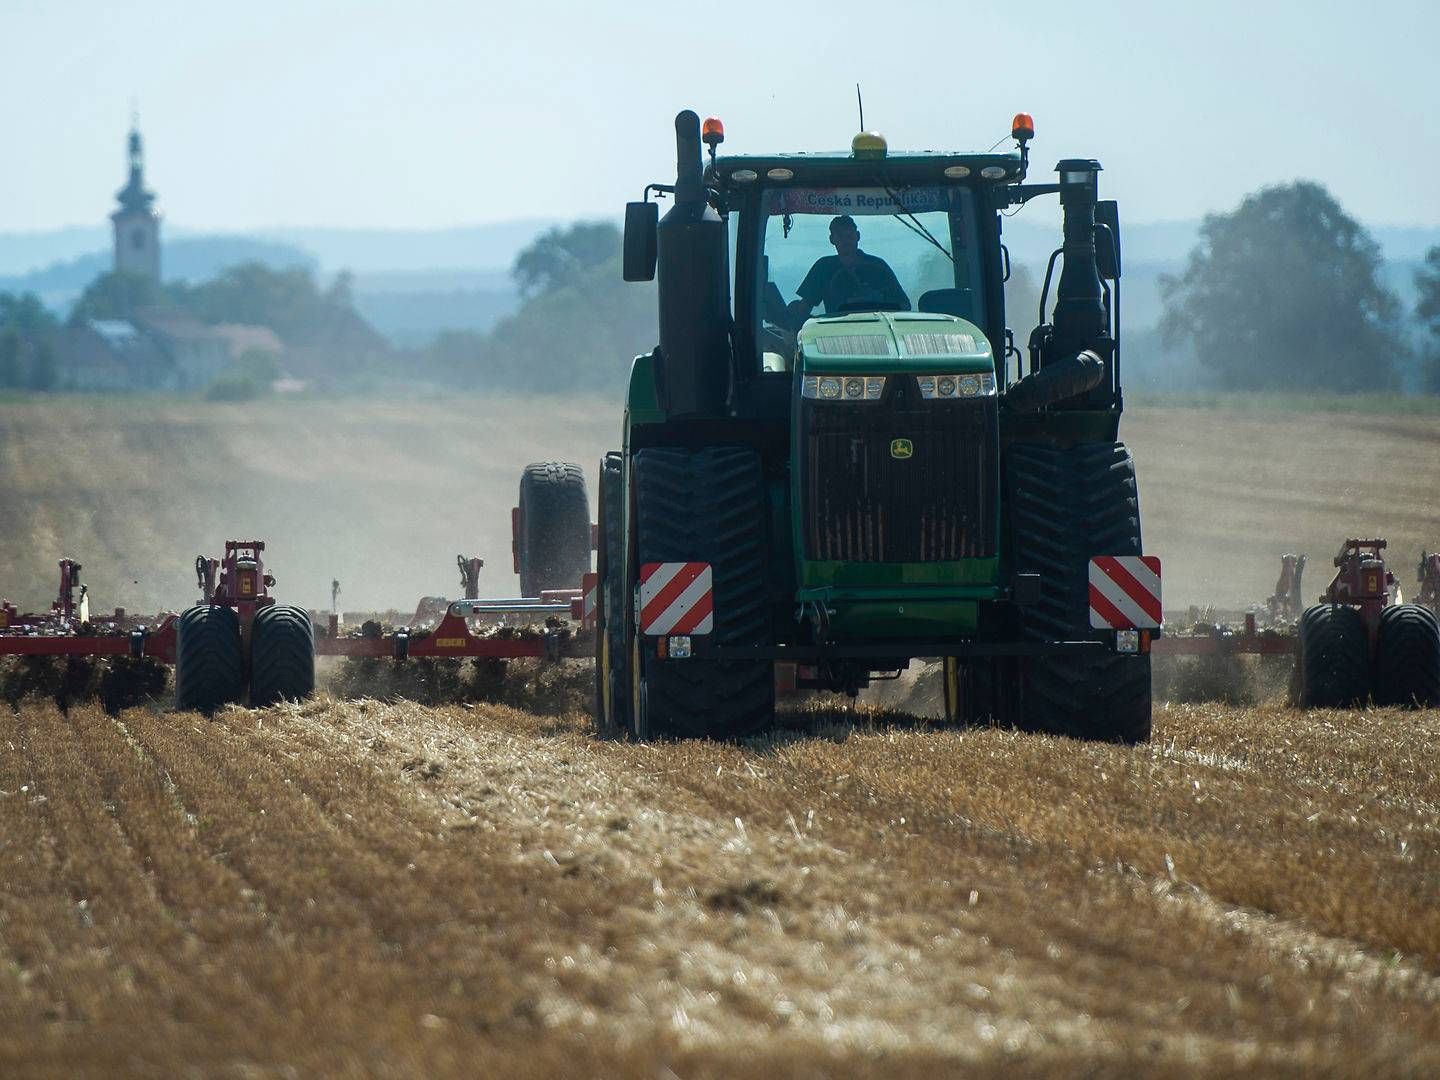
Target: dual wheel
x=210, y=661
x=1334, y=668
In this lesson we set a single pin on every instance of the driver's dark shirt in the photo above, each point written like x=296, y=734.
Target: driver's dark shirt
x=869, y=281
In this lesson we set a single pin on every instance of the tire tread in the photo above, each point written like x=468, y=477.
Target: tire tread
x=554, y=527
x=282, y=655
x=1407, y=658
x=1334, y=661
x=209, y=663
x=709, y=506
x=1067, y=505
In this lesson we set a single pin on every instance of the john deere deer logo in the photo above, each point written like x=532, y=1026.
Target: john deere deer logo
x=900, y=449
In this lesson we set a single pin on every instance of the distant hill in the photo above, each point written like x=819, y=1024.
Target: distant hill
x=1034, y=232
x=411, y=308
x=409, y=284
x=463, y=247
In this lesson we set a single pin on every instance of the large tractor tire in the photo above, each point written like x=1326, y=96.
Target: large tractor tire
x=612, y=661
x=282, y=655
x=1067, y=506
x=1334, y=658
x=1407, y=657
x=554, y=527
x=209, y=663
x=706, y=506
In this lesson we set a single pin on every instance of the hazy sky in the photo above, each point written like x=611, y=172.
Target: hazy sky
x=427, y=114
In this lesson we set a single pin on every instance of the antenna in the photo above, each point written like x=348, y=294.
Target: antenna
x=860, y=102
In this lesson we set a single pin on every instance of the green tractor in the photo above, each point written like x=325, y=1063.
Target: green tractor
x=843, y=463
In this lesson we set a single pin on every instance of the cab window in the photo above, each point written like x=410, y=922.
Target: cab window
x=831, y=251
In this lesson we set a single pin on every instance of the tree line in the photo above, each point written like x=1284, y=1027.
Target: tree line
x=290, y=302
x=577, y=327
x=1285, y=292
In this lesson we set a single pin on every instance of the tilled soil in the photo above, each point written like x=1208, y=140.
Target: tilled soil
x=376, y=889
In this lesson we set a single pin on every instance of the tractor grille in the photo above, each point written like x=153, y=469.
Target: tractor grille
x=862, y=504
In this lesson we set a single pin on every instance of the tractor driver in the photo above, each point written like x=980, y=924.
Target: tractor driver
x=848, y=280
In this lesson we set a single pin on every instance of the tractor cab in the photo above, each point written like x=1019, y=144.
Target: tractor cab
x=812, y=248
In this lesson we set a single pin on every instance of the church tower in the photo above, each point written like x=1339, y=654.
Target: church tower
x=137, y=226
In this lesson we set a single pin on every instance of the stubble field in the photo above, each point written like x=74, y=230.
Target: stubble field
x=391, y=890
x=385, y=889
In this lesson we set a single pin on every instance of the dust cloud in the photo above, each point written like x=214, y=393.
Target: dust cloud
x=384, y=495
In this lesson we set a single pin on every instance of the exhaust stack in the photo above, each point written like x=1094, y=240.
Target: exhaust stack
x=694, y=288
x=1079, y=304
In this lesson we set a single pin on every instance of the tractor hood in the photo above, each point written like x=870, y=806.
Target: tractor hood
x=876, y=342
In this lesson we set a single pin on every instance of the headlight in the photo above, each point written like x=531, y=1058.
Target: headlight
x=843, y=387
x=956, y=386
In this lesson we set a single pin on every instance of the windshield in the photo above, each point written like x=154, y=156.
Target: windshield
x=829, y=251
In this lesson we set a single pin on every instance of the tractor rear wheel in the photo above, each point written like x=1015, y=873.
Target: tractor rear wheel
x=1334, y=660
x=952, y=688
x=705, y=506
x=1068, y=505
x=282, y=655
x=554, y=527
x=991, y=686
x=209, y=665
x=967, y=690
x=1407, y=657
x=611, y=659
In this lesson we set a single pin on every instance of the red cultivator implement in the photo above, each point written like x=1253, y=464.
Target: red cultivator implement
x=1428, y=575
x=239, y=643
x=1361, y=642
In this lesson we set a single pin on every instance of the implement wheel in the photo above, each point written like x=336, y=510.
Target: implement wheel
x=1068, y=505
x=1334, y=661
x=1407, y=657
x=209, y=667
x=282, y=655
x=554, y=527
x=705, y=506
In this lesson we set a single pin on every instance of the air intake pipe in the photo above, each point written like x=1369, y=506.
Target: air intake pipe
x=1057, y=382
x=693, y=275
x=1075, y=356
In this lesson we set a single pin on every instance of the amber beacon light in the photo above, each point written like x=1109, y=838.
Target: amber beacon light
x=1022, y=127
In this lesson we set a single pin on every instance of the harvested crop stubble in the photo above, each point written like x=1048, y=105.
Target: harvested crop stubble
x=376, y=888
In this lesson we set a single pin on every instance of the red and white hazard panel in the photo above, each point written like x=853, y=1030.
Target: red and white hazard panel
x=676, y=598
x=1125, y=592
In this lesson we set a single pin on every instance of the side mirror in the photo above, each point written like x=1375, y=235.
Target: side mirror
x=642, y=221
x=1107, y=239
